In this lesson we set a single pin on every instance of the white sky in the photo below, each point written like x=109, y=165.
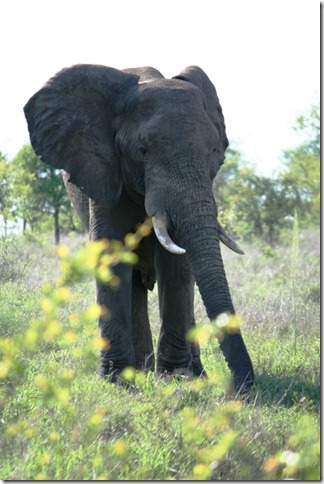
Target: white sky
x=263, y=57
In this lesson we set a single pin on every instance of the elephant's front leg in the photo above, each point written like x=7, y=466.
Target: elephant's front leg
x=115, y=326
x=176, y=299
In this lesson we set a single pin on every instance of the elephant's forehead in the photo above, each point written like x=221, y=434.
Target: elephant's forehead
x=168, y=95
x=168, y=89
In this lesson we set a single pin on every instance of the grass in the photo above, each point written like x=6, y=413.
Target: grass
x=58, y=421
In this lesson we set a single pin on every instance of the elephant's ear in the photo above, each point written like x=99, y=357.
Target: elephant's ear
x=71, y=126
x=197, y=76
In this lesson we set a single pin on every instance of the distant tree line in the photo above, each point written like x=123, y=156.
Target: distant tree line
x=249, y=205
x=34, y=193
x=252, y=205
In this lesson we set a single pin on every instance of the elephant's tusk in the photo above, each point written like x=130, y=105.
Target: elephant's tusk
x=227, y=240
x=166, y=241
x=164, y=238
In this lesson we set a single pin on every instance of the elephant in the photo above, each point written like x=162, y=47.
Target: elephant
x=133, y=145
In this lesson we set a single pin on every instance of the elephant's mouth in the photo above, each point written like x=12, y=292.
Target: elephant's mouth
x=165, y=240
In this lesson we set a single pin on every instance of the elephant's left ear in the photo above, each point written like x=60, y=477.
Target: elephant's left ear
x=197, y=76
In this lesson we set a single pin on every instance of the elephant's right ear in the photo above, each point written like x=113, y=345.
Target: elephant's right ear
x=71, y=126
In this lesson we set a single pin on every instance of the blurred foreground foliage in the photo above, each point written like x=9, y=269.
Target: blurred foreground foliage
x=59, y=422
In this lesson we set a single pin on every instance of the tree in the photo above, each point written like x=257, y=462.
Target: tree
x=6, y=201
x=39, y=190
x=23, y=181
x=253, y=205
x=227, y=173
x=302, y=168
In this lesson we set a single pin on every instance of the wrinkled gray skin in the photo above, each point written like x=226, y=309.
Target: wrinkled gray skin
x=133, y=144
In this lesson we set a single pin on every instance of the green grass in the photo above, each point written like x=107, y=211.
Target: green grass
x=58, y=421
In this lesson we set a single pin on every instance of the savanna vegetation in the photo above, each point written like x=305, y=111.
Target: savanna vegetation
x=58, y=421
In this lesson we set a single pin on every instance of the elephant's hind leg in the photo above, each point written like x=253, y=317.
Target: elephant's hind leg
x=141, y=331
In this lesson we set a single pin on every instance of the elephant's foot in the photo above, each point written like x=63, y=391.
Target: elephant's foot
x=116, y=377
x=177, y=374
x=144, y=361
x=109, y=370
x=192, y=369
x=197, y=367
x=187, y=362
x=109, y=373
x=243, y=383
x=112, y=370
x=180, y=374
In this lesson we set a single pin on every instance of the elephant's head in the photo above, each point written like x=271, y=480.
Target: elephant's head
x=162, y=139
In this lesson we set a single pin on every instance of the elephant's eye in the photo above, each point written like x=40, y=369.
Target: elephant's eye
x=141, y=153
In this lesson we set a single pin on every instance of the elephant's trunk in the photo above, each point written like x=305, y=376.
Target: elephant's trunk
x=197, y=231
x=199, y=236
